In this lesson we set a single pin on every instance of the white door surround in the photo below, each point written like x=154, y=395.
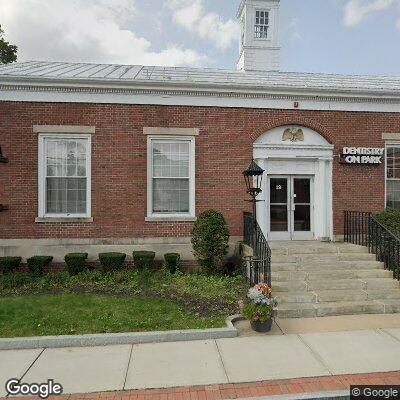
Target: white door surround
x=311, y=157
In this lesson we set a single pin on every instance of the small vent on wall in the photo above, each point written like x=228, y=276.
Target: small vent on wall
x=3, y=159
x=3, y=208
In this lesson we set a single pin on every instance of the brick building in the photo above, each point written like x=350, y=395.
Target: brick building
x=120, y=156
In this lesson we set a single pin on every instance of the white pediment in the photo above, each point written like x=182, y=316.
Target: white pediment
x=292, y=136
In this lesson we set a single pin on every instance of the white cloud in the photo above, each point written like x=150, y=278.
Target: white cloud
x=293, y=28
x=356, y=10
x=190, y=15
x=84, y=30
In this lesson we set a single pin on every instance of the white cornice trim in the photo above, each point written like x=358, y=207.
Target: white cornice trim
x=162, y=95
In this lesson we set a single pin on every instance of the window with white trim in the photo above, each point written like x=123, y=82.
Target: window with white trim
x=171, y=186
x=64, y=176
x=261, y=25
x=393, y=176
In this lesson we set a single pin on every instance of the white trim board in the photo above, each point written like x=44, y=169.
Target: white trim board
x=228, y=99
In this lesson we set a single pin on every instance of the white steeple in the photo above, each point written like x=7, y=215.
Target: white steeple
x=259, y=20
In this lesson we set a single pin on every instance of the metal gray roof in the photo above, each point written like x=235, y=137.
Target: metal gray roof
x=36, y=71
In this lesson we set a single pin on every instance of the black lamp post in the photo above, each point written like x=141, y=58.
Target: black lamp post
x=253, y=177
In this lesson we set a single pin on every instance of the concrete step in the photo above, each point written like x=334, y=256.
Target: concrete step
x=349, y=308
x=305, y=310
x=391, y=306
x=296, y=310
x=327, y=266
x=295, y=297
x=296, y=248
x=319, y=257
x=285, y=276
x=354, y=264
x=291, y=286
x=383, y=294
x=335, y=295
x=335, y=284
x=348, y=274
x=381, y=283
x=329, y=296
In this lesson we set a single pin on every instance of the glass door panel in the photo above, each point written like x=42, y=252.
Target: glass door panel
x=279, y=221
x=302, y=204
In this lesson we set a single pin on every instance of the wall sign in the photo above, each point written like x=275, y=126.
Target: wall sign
x=362, y=155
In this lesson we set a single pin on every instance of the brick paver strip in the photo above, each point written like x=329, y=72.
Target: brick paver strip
x=242, y=390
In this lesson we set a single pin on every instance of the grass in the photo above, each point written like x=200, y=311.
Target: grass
x=67, y=314
x=122, y=301
x=199, y=294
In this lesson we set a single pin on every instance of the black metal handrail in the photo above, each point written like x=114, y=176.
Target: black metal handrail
x=258, y=266
x=362, y=228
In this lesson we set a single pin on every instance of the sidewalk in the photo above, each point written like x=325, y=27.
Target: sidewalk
x=333, y=386
x=213, y=362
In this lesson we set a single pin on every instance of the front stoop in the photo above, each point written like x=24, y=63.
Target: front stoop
x=313, y=279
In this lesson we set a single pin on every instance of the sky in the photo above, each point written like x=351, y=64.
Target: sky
x=327, y=36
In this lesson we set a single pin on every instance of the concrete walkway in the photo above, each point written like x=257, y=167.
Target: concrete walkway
x=243, y=359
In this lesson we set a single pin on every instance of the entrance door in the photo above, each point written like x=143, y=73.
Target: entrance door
x=290, y=208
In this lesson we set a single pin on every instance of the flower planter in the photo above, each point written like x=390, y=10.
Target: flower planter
x=262, y=327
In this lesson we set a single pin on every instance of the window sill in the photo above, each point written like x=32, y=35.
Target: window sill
x=64, y=220
x=170, y=219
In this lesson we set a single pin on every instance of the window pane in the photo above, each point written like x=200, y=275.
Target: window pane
x=171, y=160
x=393, y=174
x=393, y=194
x=66, y=195
x=171, y=195
x=66, y=157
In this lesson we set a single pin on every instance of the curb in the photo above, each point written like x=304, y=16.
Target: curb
x=121, y=338
x=336, y=395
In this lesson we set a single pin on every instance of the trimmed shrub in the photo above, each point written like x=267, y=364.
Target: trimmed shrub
x=391, y=219
x=9, y=264
x=143, y=259
x=37, y=264
x=76, y=262
x=172, y=262
x=112, y=261
x=210, y=238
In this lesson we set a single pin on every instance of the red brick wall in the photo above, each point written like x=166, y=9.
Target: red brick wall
x=223, y=151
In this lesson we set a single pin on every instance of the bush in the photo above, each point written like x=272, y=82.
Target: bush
x=37, y=264
x=9, y=264
x=143, y=259
x=391, y=219
x=210, y=238
x=76, y=262
x=112, y=261
x=172, y=262
x=16, y=280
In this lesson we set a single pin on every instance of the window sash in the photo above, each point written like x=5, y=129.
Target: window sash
x=392, y=176
x=261, y=25
x=64, y=176
x=171, y=177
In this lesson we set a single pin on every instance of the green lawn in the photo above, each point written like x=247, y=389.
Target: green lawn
x=66, y=314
